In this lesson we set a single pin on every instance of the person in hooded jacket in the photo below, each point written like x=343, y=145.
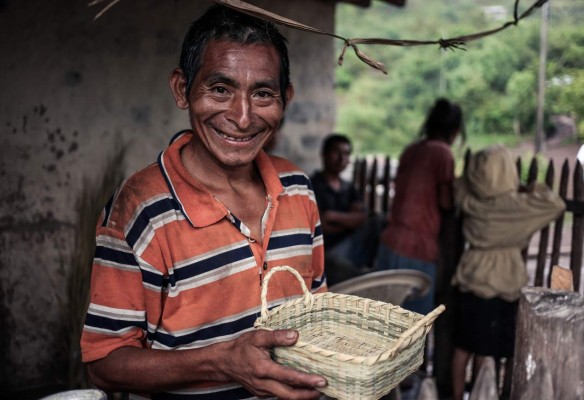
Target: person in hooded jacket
x=499, y=217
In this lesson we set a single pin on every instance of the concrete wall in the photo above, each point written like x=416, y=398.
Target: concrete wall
x=71, y=91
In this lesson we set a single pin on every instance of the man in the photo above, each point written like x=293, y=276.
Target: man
x=183, y=246
x=351, y=237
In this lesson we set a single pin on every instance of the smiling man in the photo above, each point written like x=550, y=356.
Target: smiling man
x=183, y=245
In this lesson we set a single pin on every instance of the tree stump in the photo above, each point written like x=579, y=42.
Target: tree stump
x=549, y=344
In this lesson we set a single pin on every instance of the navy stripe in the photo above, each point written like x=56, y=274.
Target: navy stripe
x=236, y=222
x=108, y=208
x=296, y=239
x=295, y=180
x=154, y=279
x=212, y=263
x=231, y=394
x=318, y=283
x=177, y=135
x=111, y=324
x=211, y=332
x=126, y=258
x=147, y=214
x=117, y=256
x=318, y=230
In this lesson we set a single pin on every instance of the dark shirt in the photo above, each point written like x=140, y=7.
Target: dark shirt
x=328, y=199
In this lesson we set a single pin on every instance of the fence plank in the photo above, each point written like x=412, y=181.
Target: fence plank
x=372, y=186
x=356, y=166
x=544, y=234
x=386, y=184
x=361, y=174
x=577, y=228
x=559, y=225
x=533, y=169
x=531, y=177
x=519, y=165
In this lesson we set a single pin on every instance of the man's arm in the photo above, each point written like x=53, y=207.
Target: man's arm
x=245, y=360
x=338, y=221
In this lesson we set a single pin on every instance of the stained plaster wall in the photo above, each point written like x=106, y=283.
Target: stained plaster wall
x=71, y=91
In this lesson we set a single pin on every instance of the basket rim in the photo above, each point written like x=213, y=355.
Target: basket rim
x=404, y=341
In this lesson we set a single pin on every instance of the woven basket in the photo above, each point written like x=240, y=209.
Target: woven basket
x=364, y=348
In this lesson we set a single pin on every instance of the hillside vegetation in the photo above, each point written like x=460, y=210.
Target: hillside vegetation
x=494, y=80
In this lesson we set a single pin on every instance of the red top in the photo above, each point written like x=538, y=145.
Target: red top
x=414, y=221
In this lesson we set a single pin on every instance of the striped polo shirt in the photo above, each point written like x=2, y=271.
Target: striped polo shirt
x=175, y=270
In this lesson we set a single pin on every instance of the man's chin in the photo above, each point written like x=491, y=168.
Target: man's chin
x=238, y=162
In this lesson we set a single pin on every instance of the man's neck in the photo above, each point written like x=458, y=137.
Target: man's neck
x=214, y=177
x=332, y=179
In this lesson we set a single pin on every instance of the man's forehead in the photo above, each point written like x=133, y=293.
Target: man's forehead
x=226, y=44
x=228, y=57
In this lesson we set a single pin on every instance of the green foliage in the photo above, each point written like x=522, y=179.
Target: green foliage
x=494, y=80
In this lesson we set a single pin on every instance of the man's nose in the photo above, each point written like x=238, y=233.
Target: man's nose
x=240, y=112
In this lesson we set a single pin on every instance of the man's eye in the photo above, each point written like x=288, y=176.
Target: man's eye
x=219, y=90
x=264, y=94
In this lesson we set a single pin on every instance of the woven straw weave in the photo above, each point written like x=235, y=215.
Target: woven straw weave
x=364, y=348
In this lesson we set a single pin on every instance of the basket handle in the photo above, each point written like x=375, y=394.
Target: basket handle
x=307, y=295
x=407, y=337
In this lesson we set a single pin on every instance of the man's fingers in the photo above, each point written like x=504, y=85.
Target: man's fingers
x=264, y=376
x=295, y=378
x=284, y=337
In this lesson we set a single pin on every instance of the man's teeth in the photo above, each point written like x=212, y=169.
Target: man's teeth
x=245, y=139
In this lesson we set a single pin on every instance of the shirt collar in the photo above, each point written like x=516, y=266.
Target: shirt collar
x=198, y=205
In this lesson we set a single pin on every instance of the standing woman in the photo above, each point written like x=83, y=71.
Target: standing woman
x=423, y=190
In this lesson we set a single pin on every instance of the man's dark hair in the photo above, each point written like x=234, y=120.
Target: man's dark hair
x=221, y=22
x=333, y=139
x=444, y=118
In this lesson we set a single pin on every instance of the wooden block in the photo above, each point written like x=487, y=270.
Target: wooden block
x=562, y=279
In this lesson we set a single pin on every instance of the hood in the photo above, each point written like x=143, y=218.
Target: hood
x=492, y=172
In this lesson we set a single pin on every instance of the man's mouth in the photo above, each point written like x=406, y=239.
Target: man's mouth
x=234, y=139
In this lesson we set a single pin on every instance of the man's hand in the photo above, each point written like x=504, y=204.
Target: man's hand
x=247, y=361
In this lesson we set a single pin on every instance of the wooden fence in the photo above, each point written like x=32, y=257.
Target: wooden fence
x=373, y=178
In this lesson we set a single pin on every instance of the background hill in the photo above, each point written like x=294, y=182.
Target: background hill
x=494, y=80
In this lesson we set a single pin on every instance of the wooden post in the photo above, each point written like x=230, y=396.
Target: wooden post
x=549, y=341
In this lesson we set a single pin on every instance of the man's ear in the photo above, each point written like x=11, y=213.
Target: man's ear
x=178, y=86
x=289, y=94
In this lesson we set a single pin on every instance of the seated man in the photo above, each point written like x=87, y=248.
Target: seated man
x=350, y=236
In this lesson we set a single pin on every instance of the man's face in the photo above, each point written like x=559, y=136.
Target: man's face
x=337, y=157
x=235, y=104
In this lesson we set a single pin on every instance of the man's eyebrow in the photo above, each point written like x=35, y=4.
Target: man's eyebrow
x=218, y=77
x=270, y=83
